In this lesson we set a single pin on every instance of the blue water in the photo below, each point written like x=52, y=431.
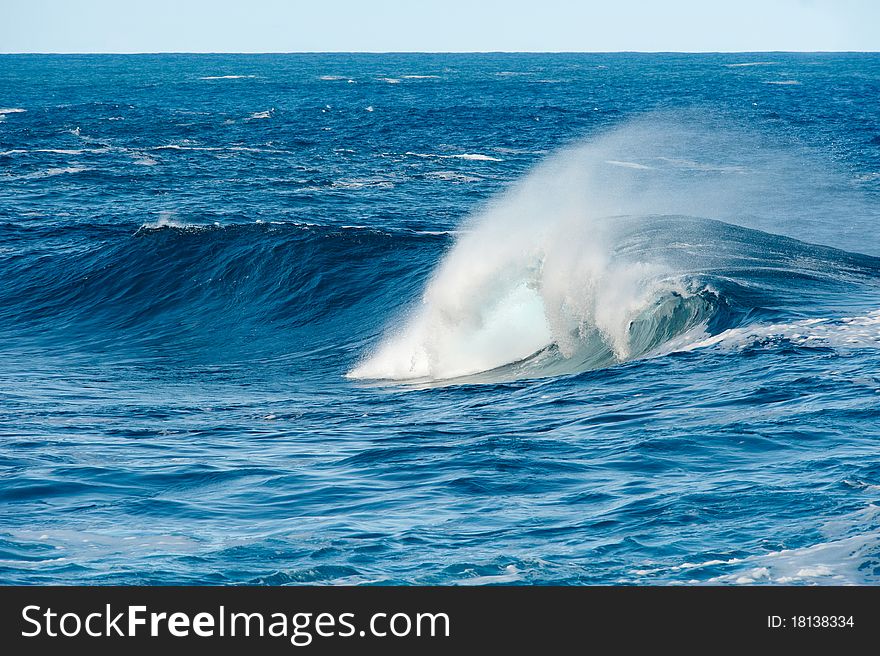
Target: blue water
x=456, y=319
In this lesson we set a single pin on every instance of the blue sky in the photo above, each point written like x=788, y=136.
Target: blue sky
x=429, y=25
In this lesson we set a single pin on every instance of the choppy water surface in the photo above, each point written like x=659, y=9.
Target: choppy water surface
x=453, y=319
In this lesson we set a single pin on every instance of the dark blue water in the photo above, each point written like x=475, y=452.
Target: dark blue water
x=440, y=319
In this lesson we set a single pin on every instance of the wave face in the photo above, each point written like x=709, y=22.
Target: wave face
x=203, y=290
x=439, y=319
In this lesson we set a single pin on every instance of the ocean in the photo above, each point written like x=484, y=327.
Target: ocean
x=440, y=319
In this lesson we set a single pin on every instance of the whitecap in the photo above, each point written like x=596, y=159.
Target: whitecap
x=260, y=115
x=227, y=77
x=64, y=151
x=166, y=220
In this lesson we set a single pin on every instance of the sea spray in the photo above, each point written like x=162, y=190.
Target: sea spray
x=551, y=263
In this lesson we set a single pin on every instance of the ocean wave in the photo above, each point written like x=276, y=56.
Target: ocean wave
x=565, y=273
x=183, y=282
x=783, y=82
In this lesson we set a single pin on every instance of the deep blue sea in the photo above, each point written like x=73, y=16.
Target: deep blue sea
x=440, y=319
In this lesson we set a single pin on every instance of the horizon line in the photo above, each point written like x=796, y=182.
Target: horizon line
x=438, y=52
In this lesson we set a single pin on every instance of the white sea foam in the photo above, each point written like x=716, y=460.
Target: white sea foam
x=233, y=149
x=419, y=77
x=10, y=110
x=476, y=157
x=390, y=80
x=227, y=77
x=850, y=543
x=54, y=151
x=52, y=172
x=783, y=82
x=262, y=115
x=846, y=332
x=166, y=219
x=178, y=147
x=837, y=561
x=63, y=151
x=511, y=575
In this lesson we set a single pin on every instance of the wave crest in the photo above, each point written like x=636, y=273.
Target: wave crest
x=593, y=259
